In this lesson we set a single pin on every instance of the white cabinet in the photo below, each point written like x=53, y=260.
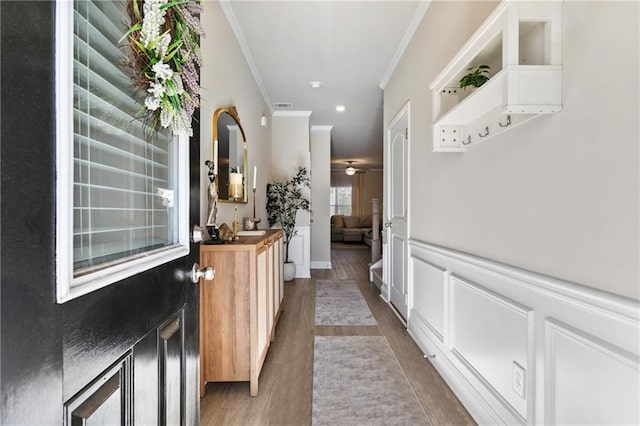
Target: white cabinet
x=521, y=42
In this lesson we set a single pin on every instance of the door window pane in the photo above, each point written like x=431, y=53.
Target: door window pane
x=121, y=187
x=119, y=174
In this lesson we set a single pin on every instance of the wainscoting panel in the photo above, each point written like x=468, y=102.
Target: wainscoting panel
x=489, y=334
x=588, y=380
x=428, y=298
x=522, y=348
x=300, y=251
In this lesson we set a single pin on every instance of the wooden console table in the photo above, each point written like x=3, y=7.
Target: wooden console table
x=239, y=309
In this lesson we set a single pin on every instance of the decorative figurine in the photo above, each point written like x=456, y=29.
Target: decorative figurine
x=212, y=227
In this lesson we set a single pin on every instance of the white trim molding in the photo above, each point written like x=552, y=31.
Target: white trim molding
x=421, y=9
x=292, y=114
x=225, y=5
x=518, y=347
x=320, y=265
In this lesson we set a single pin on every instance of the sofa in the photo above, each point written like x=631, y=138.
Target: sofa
x=352, y=229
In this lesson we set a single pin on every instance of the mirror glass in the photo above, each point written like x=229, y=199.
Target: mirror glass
x=231, y=152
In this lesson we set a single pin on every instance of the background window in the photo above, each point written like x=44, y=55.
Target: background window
x=340, y=199
x=340, y=195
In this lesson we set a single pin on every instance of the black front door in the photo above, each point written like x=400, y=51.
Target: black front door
x=124, y=353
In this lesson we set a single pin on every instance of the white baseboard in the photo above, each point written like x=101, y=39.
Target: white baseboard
x=384, y=292
x=320, y=265
x=579, y=348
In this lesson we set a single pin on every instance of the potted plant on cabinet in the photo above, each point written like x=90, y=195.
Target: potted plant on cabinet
x=284, y=199
x=476, y=77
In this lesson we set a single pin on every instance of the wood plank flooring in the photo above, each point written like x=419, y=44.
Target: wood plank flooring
x=286, y=382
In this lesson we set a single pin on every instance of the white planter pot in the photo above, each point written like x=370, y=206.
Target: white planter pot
x=289, y=271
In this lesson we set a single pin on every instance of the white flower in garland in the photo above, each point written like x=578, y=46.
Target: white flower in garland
x=152, y=103
x=163, y=71
x=166, y=116
x=156, y=89
x=153, y=20
x=163, y=45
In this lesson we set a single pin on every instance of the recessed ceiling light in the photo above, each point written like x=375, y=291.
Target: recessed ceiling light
x=315, y=84
x=340, y=108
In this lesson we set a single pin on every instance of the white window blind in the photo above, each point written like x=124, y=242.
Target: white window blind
x=125, y=178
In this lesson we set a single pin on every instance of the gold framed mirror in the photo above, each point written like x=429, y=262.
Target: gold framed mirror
x=229, y=152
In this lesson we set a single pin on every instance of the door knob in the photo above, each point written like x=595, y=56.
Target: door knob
x=387, y=225
x=196, y=273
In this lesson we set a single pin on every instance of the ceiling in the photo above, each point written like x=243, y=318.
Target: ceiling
x=351, y=47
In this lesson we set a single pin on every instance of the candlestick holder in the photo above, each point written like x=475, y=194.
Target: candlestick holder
x=235, y=219
x=251, y=223
x=236, y=191
x=254, y=202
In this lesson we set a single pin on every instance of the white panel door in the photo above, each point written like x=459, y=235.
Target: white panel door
x=398, y=150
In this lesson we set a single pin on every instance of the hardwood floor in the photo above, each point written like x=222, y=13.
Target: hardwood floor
x=286, y=382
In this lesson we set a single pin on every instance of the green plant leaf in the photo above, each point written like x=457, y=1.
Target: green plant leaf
x=173, y=3
x=140, y=46
x=136, y=10
x=134, y=28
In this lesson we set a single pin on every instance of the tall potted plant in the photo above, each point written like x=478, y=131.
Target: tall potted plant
x=284, y=199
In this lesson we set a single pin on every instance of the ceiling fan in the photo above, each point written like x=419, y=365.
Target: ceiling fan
x=350, y=170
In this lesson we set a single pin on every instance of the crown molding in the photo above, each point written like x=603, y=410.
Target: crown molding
x=298, y=114
x=225, y=5
x=422, y=8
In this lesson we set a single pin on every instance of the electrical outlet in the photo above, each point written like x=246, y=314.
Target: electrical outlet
x=518, y=379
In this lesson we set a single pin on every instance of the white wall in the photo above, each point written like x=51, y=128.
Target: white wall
x=320, y=184
x=226, y=80
x=558, y=195
x=290, y=150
